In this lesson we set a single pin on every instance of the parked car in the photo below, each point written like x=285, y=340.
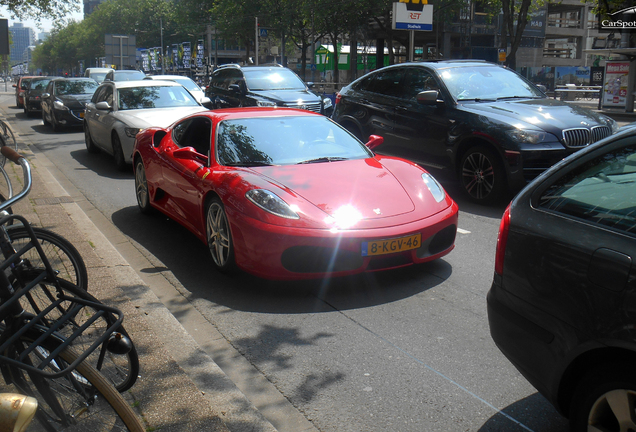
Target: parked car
x=288, y=194
x=33, y=94
x=64, y=101
x=234, y=86
x=98, y=74
x=562, y=306
x=124, y=75
x=470, y=120
x=190, y=85
x=118, y=110
x=20, y=86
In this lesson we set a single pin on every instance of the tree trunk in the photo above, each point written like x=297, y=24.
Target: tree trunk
x=336, y=55
x=353, y=56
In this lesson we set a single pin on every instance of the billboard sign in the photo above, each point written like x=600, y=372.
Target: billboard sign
x=405, y=18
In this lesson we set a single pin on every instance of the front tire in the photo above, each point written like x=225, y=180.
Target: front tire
x=118, y=154
x=219, y=236
x=90, y=144
x=54, y=125
x=604, y=399
x=141, y=187
x=482, y=175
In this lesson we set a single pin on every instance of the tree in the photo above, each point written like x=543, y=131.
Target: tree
x=236, y=19
x=515, y=18
x=39, y=9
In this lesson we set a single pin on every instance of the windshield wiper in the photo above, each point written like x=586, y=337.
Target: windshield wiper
x=520, y=97
x=478, y=100
x=248, y=164
x=323, y=159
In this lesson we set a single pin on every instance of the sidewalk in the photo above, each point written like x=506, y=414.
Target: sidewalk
x=180, y=387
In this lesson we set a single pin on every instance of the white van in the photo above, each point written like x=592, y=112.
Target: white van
x=98, y=74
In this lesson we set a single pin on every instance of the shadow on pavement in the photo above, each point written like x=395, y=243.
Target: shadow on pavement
x=533, y=413
x=189, y=260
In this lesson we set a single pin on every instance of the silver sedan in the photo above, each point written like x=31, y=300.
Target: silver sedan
x=120, y=109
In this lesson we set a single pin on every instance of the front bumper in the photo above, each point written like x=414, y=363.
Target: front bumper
x=282, y=253
x=69, y=117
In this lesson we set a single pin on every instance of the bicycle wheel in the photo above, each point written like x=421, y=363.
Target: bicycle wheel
x=6, y=138
x=119, y=364
x=63, y=256
x=82, y=400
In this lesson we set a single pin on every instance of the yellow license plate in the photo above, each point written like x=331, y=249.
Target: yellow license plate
x=82, y=114
x=389, y=246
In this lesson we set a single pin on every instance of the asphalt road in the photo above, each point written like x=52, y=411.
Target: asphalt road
x=405, y=350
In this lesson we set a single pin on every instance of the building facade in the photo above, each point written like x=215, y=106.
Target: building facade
x=21, y=38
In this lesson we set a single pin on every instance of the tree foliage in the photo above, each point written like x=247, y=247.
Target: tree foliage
x=39, y=9
x=301, y=22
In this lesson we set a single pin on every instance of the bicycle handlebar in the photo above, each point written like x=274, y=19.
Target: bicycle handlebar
x=14, y=156
x=10, y=154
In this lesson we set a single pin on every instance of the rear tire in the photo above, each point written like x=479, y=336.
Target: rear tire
x=604, y=398
x=81, y=400
x=64, y=258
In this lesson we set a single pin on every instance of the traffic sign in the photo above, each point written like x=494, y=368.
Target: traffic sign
x=262, y=32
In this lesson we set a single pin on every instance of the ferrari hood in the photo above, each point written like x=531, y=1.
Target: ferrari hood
x=158, y=117
x=363, y=187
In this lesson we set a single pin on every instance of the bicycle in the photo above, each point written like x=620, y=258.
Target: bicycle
x=38, y=350
x=121, y=366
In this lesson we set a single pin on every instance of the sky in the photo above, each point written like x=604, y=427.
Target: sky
x=46, y=25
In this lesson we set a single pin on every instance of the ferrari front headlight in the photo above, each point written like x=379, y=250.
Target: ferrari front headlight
x=272, y=203
x=436, y=189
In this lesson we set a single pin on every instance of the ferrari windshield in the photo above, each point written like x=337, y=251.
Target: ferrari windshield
x=285, y=141
x=487, y=82
x=275, y=78
x=154, y=97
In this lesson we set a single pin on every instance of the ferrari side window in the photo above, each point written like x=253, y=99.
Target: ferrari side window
x=178, y=131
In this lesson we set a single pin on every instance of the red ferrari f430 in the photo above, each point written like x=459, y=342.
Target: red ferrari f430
x=289, y=194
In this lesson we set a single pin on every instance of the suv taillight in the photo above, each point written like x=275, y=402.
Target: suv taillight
x=338, y=97
x=502, y=239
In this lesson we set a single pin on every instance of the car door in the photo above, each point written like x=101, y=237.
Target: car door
x=219, y=89
x=576, y=243
x=373, y=104
x=47, y=102
x=183, y=163
x=103, y=119
x=420, y=131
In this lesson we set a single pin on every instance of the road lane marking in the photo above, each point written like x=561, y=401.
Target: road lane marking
x=462, y=231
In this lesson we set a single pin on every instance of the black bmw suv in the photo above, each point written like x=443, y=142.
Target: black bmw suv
x=244, y=86
x=475, y=121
